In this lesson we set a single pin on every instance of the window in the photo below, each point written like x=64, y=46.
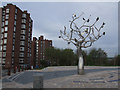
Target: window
x=4, y=47
x=1, y=36
x=3, y=12
x=23, y=20
x=28, y=39
x=23, y=26
x=3, y=18
x=15, y=16
x=5, y=41
x=0, y=49
x=21, y=60
x=14, y=35
x=2, y=30
x=4, y=54
x=36, y=54
x=36, y=47
x=7, y=10
x=22, y=31
x=28, y=44
x=6, y=22
x=36, y=50
x=1, y=42
x=21, y=48
x=12, y=60
x=22, y=37
x=29, y=29
x=16, y=10
x=29, y=24
x=29, y=34
x=28, y=54
x=22, y=42
x=24, y=15
x=3, y=60
x=21, y=55
x=30, y=20
x=5, y=35
x=15, y=23
x=0, y=60
x=14, y=29
x=28, y=49
x=12, y=54
x=36, y=44
x=6, y=28
x=13, y=41
x=13, y=48
x=3, y=24
x=41, y=44
x=7, y=16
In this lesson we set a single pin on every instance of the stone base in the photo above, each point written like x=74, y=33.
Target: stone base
x=81, y=72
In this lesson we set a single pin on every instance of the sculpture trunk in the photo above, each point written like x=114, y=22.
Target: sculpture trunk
x=80, y=62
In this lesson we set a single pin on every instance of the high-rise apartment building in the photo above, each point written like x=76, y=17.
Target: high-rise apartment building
x=0, y=33
x=0, y=42
x=38, y=50
x=16, y=33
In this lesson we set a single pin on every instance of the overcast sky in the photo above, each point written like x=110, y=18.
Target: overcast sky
x=50, y=17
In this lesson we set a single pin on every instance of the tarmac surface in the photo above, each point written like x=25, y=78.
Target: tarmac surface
x=66, y=77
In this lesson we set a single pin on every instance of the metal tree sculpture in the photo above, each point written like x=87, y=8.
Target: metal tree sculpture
x=82, y=36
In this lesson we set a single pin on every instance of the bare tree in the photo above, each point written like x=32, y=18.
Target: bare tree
x=82, y=36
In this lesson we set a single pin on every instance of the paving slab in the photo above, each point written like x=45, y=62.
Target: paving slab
x=67, y=77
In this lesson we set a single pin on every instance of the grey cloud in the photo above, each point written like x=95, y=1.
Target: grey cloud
x=49, y=18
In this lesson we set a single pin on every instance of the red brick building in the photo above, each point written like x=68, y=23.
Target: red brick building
x=0, y=33
x=38, y=50
x=16, y=33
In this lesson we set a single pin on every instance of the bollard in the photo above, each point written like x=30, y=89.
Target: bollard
x=38, y=81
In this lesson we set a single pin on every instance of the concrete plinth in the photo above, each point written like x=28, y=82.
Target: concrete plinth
x=81, y=72
x=38, y=81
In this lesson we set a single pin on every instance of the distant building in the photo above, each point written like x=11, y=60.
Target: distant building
x=16, y=33
x=38, y=50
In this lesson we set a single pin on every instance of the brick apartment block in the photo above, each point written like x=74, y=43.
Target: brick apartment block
x=0, y=32
x=38, y=50
x=16, y=33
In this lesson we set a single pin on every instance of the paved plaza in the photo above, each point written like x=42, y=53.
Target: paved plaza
x=66, y=77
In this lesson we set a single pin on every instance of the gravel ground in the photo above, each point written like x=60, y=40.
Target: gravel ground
x=66, y=77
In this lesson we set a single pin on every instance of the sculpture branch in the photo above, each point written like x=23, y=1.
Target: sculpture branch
x=84, y=36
